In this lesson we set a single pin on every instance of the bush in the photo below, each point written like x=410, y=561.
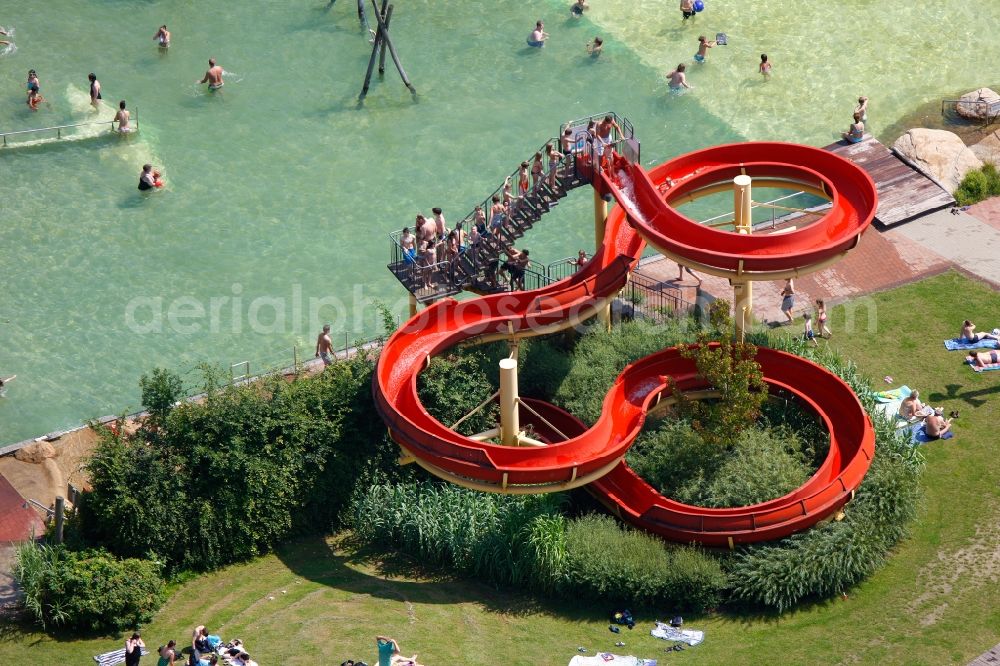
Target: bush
x=607, y=561
x=503, y=539
x=601, y=355
x=977, y=185
x=223, y=480
x=456, y=384
x=88, y=590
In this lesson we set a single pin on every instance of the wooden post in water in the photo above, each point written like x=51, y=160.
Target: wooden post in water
x=381, y=55
x=392, y=49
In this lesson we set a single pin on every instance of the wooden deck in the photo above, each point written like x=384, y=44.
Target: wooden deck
x=904, y=193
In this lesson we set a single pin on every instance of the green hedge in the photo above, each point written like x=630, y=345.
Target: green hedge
x=223, y=480
x=88, y=590
x=525, y=541
x=605, y=560
x=978, y=185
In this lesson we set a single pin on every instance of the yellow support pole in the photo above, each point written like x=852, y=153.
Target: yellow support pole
x=413, y=305
x=510, y=423
x=600, y=226
x=742, y=288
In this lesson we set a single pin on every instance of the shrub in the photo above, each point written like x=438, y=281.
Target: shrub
x=88, y=590
x=977, y=185
x=456, y=384
x=601, y=355
x=607, y=561
x=501, y=538
x=225, y=479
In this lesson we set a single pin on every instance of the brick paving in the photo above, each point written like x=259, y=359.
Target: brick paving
x=881, y=261
x=987, y=212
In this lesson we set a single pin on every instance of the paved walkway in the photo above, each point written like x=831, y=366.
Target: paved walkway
x=963, y=239
x=989, y=658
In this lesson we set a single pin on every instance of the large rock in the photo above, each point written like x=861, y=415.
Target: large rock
x=988, y=150
x=35, y=452
x=940, y=153
x=971, y=104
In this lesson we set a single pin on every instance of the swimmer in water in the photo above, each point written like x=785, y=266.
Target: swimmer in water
x=765, y=67
x=32, y=82
x=538, y=35
x=578, y=8
x=122, y=118
x=595, y=47
x=162, y=37
x=95, y=89
x=862, y=108
x=213, y=77
x=677, y=78
x=3, y=384
x=149, y=178
x=703, y=46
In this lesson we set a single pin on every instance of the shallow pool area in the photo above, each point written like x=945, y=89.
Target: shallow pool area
x=281, y=188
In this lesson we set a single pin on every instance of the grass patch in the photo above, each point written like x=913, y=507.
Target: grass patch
x=935, y=602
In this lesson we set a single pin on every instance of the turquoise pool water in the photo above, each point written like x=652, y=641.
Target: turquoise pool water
x=281, y=189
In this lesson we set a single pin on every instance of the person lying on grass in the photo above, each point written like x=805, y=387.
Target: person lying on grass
x=982, y=359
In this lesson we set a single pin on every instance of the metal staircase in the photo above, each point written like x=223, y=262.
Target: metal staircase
x=477, y=267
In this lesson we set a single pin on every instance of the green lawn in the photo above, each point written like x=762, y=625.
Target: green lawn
x=936, y=602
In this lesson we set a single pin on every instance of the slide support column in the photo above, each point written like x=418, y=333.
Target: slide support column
x=413, y=305
x=742, y=289
x=600, y=225
x=510, y=425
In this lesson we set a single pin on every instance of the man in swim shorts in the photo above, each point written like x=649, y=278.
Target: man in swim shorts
x=538, y=35
x=687, y=9
x=678, y=80
x=122, y=118
x=213, y=77
x=703, y=46
x=578, y=8
x=324, y=346
x=968, y=333
x=603, y=132
x=982, y=359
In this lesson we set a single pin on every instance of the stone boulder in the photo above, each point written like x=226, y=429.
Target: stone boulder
x=35, y=452
x=940, y=153
x=971, y=104
x=988, y=150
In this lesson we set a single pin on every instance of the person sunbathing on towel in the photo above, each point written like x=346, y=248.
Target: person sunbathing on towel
x=936, y=425
x=388, y=653
x=982, y=359
x=969, y=334
x=911, y=408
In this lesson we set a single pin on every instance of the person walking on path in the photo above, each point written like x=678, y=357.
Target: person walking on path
x=788, y=300
x=324, y=346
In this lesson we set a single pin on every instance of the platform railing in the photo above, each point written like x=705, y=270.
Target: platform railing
x=58, y=129
x=990, y=111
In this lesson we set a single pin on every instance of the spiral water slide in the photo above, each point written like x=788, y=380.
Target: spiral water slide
x=576, y=455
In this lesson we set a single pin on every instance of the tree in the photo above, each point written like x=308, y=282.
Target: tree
x=730, y=368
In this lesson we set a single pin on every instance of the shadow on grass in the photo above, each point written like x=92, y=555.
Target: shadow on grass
x=342, y=563
x=974, y=398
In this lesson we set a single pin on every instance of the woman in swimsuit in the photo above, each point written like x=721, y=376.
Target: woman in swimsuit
x=522, y=179
x=95, y=89
x=122, y=118
x=856, y=132
x=555, y=157
x=536, y=170
x=821, y=318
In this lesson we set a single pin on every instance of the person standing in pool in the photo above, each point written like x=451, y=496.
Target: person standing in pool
x=862, y=108
x=578, y=8
x=678, y=80
x=162, y=37
x=687, y=9
x=595, y=48
x=32, y=82
x=765, y=67
x=95, y=89
x=703, y=46
x=538, y=35
x=149, y=178
x=122, y=118
x=213, y=77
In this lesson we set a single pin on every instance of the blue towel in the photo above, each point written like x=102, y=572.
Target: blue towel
x=918, y=435
x=959, y=343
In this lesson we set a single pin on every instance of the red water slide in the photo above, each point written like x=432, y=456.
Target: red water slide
x=595, y=455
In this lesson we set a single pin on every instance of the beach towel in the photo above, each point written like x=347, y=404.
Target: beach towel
x=959, y=343
x=895, y=394
x=984, y=368
x=668, y=633
x=608, y=659
x=891, y=411
x=918, y=435
x=114, y=657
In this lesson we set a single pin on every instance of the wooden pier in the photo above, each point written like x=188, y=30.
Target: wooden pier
x=904, y=192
